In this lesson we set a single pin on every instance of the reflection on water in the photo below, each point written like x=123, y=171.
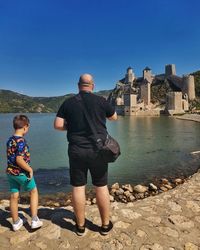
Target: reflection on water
x=151, y=146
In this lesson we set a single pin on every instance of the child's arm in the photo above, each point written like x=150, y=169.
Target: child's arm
x=22, y=164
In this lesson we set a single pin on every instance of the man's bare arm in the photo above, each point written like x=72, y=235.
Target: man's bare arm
x=60, y=124
x=113, y=117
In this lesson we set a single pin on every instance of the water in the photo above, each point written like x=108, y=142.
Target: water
x=151, y=146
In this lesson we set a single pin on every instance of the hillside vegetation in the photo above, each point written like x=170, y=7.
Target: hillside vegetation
x=12, y=102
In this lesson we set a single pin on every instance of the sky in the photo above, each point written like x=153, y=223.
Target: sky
x=45, y=45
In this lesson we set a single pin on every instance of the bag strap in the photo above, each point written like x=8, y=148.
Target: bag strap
x=89, y=120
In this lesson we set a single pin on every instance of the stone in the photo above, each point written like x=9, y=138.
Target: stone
x=155, y=246
x=131, y=198
x=178, y=181
x=174, y=206
x=126, y=239
x=112, y=198
x=141, y=233
x=153, y=187
x=154, y=219
x=20, y=236
x=164, y=189
x=88, y=202
x=119, y=191
x=64, y=245
x=121, y=224
x=95, y=245
x=140, y=189
x=127, y=193
x=197, y=218
x=51, y=232
x=193, y=206
x=115, y=186
x=164, y=181
x=181, y=221
x=139, y=196
x=114, y=244
x=127, y=187
x=94, y=201
x=41, y=245
x=190, y=246
x=168, y=186
x=168, y=231
x=128, y=213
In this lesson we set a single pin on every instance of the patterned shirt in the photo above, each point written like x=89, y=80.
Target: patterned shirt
x=17, y=146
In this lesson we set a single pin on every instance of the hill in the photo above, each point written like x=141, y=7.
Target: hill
x=12, y=102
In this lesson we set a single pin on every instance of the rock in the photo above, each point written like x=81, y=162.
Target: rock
x=95, y=245
x=139, y=196
x=41, y=245
x=88, y=202
x=20, y=236
x=94, y=201
x=127, y=187
x=174, y=206
x=64, y=245
x=181, y=221
x=131, y=198
x=164, y=189
x=155, y=246
x=119, y=191
x=154, y=219
x=127, y=193
x=153, y=187
x=112, y=198
x=128, y=213
x=51, y=232
x=164, y=181
x=168, y=186
x=115, y=186
x=194, y=206
x=114, y=244
x=140, y=189
x=126, y=239
x=168, y=231
x=141, y=233
x=121, y=224
x=178, y=181
x=190, y=246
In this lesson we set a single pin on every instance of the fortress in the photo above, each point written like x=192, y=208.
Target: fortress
x=151, y=94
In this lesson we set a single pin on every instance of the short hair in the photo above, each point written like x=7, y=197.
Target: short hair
x=20, y=121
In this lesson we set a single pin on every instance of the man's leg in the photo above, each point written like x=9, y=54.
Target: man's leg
x=78, y=200
x=103, y=202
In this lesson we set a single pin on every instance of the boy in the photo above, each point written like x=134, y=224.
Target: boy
x=20, y=173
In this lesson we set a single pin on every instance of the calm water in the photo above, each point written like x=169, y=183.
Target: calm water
x=151, y=146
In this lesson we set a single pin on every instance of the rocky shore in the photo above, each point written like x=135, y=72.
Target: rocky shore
x=189, y=117
x=170, y=220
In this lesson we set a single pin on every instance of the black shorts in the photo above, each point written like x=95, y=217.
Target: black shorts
x=80, y=161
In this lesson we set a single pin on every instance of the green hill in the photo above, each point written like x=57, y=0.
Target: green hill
x=12, y=102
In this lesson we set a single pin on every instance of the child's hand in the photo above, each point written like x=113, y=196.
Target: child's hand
x=30, y=174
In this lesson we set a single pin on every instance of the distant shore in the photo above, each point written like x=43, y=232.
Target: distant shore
x=189, y=117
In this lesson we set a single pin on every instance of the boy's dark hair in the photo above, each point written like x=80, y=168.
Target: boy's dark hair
x=20, y=121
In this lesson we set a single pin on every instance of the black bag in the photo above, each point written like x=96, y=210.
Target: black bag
x=110, y=149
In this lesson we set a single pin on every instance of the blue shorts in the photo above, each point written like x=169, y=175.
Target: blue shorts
x=20, y=181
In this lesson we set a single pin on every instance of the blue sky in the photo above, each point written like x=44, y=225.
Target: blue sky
x=46, y=44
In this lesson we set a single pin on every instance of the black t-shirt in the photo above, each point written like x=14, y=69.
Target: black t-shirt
x=78, y=130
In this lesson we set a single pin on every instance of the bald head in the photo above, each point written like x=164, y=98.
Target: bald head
x=86, y=80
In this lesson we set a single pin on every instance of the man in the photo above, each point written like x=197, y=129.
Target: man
x=82, y=153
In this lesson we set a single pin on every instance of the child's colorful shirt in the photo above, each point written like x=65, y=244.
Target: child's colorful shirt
x=16, y=146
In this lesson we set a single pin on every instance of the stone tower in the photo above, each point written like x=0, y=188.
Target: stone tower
x=189, y=86
x=170, y=69
x=130, y=76
x=147, y=75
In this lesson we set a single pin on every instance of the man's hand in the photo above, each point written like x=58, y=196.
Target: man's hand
x=113, y=117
